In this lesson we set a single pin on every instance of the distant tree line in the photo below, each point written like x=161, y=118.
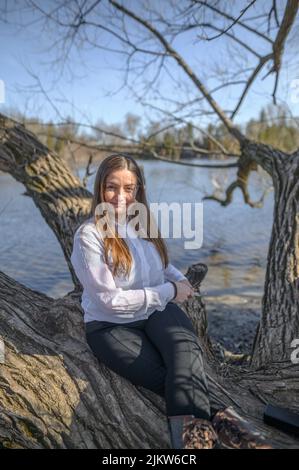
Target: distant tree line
x=273, y=126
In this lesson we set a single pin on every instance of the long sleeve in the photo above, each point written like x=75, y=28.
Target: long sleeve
x=173, y=274
x=97, y=280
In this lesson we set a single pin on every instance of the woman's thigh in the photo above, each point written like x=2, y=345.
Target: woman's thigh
x=130, y=353
x=170, y=331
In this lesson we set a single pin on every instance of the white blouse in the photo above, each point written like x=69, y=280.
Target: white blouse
x=120, y=299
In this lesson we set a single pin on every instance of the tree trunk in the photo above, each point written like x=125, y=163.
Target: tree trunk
x=62, y=200
x=54, y=392
x=279, y=324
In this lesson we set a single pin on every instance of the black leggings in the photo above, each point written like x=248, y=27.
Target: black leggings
x=161, y=353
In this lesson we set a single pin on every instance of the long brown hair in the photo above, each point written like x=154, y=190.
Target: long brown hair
x=121, y=256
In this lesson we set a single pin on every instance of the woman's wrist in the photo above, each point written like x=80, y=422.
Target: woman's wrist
x=175, y=289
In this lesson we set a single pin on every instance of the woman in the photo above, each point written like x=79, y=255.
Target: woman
x=130, y=299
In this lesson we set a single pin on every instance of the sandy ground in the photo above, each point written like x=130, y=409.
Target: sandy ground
x=233, y=320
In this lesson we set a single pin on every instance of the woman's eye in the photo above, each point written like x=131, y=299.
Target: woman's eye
x=113, y=188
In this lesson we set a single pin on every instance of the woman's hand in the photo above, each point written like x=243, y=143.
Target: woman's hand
x=185, y=281
x=185, y=290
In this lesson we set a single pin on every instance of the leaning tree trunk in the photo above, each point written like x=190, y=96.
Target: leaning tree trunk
x=60, y=197
x=54, y=392
x=279, y=324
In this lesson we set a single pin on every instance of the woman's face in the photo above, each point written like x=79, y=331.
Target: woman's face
x=120, y=189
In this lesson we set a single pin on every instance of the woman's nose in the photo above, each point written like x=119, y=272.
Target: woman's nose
x=121, y=193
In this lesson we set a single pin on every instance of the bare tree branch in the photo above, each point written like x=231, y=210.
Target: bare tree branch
x=190, y=73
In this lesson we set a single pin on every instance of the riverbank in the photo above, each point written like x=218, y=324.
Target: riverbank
x=232, y=321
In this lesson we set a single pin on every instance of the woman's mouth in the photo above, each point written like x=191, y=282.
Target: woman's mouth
x=115, y=204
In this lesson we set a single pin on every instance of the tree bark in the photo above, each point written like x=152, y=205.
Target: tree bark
x=54, y=392
x=279, y=324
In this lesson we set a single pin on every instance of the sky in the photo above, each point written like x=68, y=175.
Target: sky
x=89, y=87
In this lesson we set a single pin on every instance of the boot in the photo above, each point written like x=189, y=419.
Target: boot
x=235, y=432
x=188, y=432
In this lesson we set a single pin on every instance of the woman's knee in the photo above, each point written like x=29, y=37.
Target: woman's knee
x=172, y=314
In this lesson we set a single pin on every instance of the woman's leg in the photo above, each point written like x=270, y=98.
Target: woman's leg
x=127, y=350
x=186, y=390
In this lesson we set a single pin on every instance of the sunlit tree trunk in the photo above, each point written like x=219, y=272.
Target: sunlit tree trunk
x=279, y=324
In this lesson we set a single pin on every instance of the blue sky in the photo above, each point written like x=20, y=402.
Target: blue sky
x=89, y=77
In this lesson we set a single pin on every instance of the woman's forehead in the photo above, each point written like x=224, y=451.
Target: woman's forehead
x=121, y=176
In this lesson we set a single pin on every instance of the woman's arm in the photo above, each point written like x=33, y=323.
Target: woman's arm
x=95, y=276
x=173, y=274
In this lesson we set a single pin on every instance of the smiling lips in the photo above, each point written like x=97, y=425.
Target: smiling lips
x=121, y=207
